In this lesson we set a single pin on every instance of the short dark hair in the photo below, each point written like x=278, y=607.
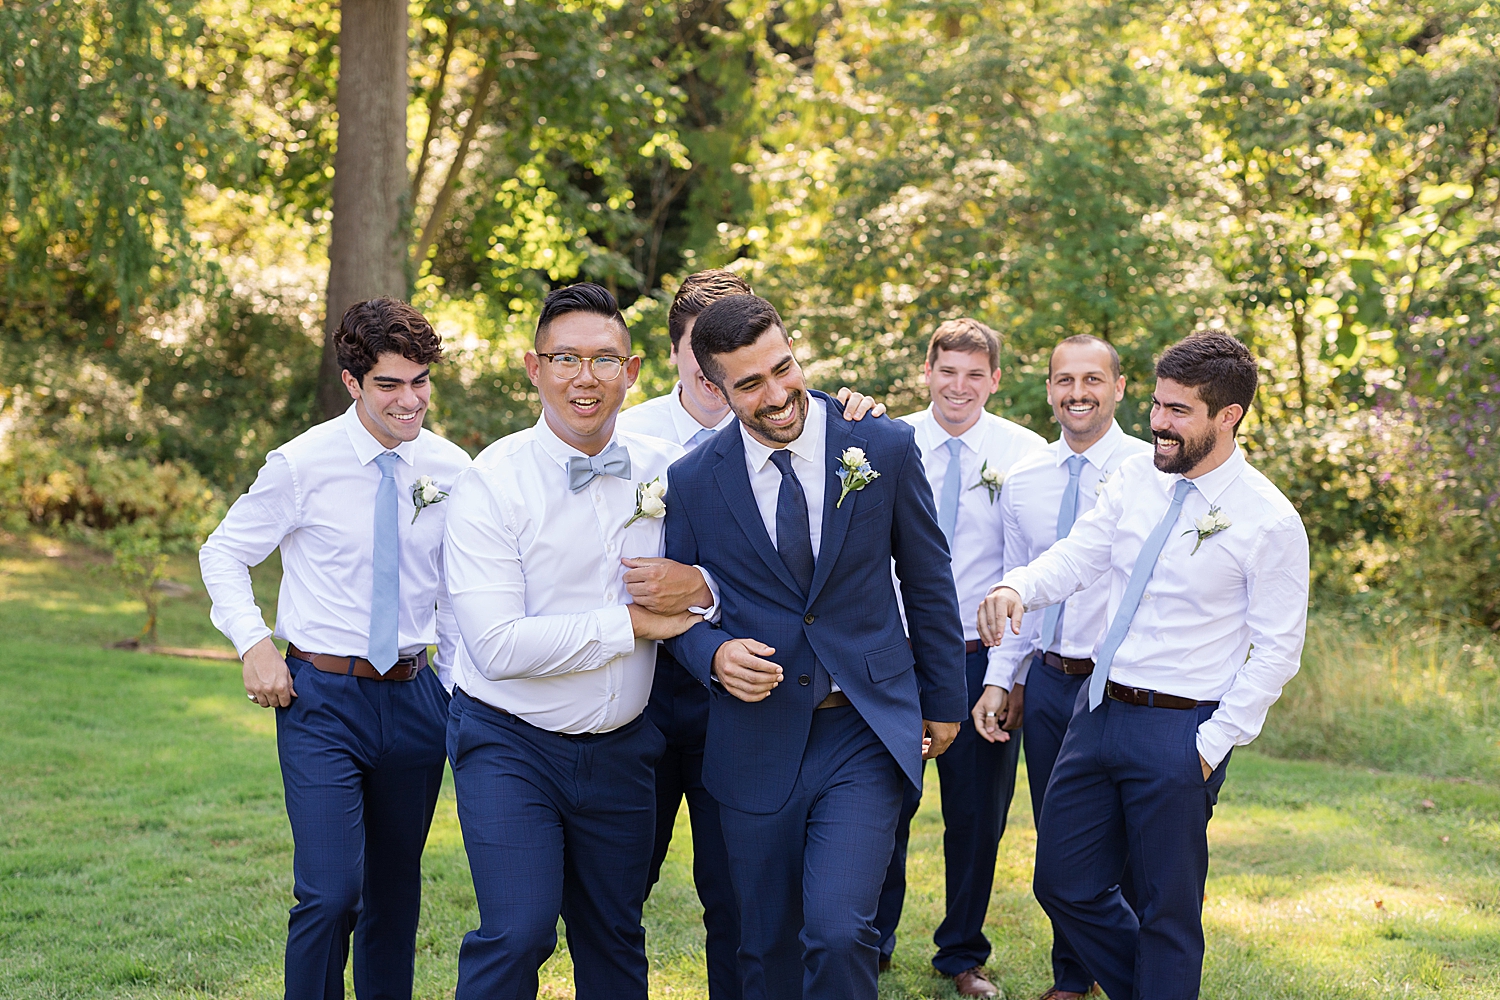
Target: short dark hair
x=1081, y=339
x=583, y=297
x=733, y=322
x=1218, y=366
x=968, y=336
x=699, y=291
x=383, y=326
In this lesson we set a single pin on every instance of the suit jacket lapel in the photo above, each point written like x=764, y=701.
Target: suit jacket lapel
x=734, y=483
x=835, y=519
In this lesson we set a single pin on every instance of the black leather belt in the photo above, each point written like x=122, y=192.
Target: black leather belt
x=1152, y=699
x=1072, y=666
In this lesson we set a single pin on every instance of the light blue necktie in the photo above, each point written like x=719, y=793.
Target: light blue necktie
x=1066, y=515
x=1145, y=565
x=953, y=484
x=612, y=461
x=385, y=642
x=704, y=433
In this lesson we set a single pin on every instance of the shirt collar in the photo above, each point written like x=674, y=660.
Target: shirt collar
x=556, y=448
x=365, y=445
x=1213, y=484
x=1095, y=454
x=684, y=422
x=932, y=435
x=809, y=443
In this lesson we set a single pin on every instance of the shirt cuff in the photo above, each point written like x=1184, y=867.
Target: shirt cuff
x=711, y=613
x=1213, y=742
x=1000, y=670
x=616, y=634
x=247, y=633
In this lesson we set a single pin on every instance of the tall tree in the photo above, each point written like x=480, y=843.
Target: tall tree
x=368, y=243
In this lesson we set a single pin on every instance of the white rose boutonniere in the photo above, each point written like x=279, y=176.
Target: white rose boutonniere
x=425, y=493
x=1099, y=486
x=1207, y=526
x=990, y=479
x=650, y=501
x=855, y=472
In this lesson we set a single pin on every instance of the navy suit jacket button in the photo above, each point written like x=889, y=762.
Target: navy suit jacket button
x=809, y=619
x=804, y=680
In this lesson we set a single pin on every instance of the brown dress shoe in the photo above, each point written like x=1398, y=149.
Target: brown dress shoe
x=1056, y=994
x=971, y=983
x=885, y=965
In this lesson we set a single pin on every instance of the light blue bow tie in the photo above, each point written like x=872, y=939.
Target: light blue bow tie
x=612, y=461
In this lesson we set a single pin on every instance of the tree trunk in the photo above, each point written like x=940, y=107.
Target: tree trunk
x=367, y=248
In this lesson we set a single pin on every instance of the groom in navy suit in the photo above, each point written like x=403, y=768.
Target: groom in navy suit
x=819, y=706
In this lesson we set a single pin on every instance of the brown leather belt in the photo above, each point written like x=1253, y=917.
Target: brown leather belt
x=1069, y=665
x=835, y=699
x=403, y=669
x=1152, y=699
x=971, y=646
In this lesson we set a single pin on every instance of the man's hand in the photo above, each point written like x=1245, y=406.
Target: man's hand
x=649, y=625
x=999, y=604
x=267, y=680
x=989, y=714
x=665, y=587
x=740, y=666
x=1208, y=772
x=857, y=405
x=1015, y=705
x=937, y=737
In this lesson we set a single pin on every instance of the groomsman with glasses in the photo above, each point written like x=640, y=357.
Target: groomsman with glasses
x=689, y=415
x=355, y=505
x=1042, y=671
x=1207, y=564
x=966, y=453
x=553, y=761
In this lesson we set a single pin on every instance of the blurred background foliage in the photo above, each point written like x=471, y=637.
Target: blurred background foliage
x=1320, y=179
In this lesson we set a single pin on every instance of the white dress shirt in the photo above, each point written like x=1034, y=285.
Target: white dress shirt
x=537, y=585
x=665, y=417
x=315, y=499
x=978, y=545
x=1224, y=624
x=1029, y=502
x=807, y=462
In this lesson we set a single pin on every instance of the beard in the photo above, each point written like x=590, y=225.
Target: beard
x=1189, y=452
x=755, y=421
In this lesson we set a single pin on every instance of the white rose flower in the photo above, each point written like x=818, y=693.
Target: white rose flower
x=429, y=490
x=652, y=506
x=656, y=489
x=854, y=457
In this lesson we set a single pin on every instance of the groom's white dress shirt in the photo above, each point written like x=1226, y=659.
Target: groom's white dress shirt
x=537, y=585
x=978, y=545
x=807, y=462
x=315, y=499
x=1224, y=624
x=664, y=417
x=1029, y=502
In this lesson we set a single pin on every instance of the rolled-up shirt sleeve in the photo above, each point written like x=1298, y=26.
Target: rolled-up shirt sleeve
x=487, y=589
x=1276, y=581
x=251, y=531
x=1075, y=562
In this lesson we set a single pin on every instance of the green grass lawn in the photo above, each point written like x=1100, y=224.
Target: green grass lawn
x=144, y=851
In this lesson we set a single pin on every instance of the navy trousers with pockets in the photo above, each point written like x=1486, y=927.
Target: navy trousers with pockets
x=554, y=825
x=679, y=708
x=1128, y=788
x=808, y=876
x=977, y=780
x=361, y=762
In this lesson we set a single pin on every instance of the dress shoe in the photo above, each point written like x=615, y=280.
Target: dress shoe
x=971, y=983
x=885, y=965
x=1056, y=994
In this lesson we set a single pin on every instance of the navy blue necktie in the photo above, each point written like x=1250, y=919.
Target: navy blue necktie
x=794, y=542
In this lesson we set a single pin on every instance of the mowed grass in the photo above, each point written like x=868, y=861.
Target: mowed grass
x=144, y=851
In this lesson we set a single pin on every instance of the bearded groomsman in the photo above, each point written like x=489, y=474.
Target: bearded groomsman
x=1042, y=671
x=553, y=760
x=1207, y=567
x=966, y=453
x=797, y=515
x=355, y=506
x=690, y=415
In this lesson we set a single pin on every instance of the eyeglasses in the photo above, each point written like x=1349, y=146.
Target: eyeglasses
x=606, y=367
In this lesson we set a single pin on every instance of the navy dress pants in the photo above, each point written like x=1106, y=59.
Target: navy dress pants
x=361, y=762
x=893, y=893
x=554, y=825
x=1128, y=789
x=977, y=780
x=808, y=876
x=679, y=709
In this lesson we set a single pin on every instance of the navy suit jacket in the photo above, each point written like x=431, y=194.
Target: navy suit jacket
x=849, y=621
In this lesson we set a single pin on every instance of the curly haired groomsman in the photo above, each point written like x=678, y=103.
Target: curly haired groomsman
x=1207, y=564
x=1044, y=495
x=355, y=505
